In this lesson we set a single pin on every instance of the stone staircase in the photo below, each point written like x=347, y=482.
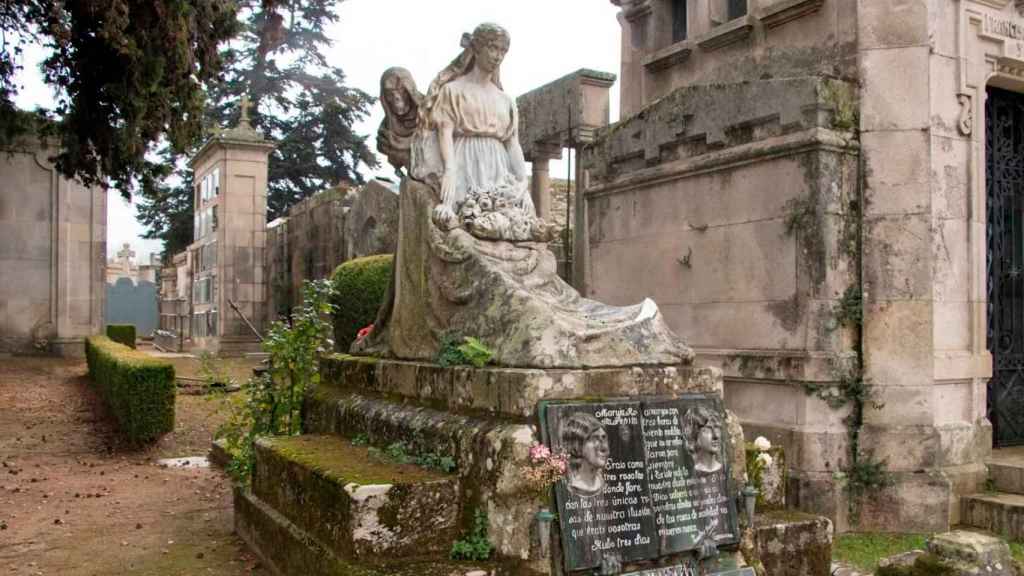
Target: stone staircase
x=321, y=505
x=1000, y=510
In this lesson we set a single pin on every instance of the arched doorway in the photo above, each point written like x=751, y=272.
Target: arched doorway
x=1004, y=177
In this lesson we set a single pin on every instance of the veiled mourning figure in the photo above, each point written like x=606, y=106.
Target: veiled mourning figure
x=401, y=101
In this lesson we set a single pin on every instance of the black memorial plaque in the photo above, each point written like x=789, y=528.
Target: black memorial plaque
x=603, y=503
x=647, y=479
x=688, y=473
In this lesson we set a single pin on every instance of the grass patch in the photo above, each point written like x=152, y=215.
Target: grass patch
x=1017, y=551
x=865, y=550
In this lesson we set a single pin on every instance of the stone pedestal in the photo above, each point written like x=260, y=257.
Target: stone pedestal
x=483, y=419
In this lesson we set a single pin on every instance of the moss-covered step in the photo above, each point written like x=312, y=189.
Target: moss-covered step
x=507, y=392
x=489, y=453
x=355, y=502
x=287, y=550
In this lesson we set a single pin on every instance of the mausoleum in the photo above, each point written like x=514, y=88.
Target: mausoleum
x=824, y=197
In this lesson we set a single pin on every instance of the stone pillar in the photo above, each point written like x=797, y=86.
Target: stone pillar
x=540, y=185
x=234, y=164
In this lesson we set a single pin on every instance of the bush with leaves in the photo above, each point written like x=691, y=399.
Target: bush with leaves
x=458, y=350
x=476, y=545
x=273, y=403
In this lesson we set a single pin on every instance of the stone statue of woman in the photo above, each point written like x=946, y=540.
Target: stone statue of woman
x=471, y=143
x=472, y=256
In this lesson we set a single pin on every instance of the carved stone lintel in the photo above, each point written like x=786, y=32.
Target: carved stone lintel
x=668, y=56
x=784, y=11
x=728, y=33
x=966, y=121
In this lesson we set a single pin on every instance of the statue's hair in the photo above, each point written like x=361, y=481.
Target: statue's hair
x=574, y=432
x=463, y=63
x=696, y=418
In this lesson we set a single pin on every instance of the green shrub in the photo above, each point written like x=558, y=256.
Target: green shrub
x=137, y=389
x=475, y=546
x=122, y=334
x=360, y=286
x=457, y=350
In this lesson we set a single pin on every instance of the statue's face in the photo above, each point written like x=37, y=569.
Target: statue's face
x=396, y=97
x=595, y=449
x=490, y=53
x=709, y=440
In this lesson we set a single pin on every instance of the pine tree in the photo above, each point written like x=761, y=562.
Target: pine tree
x=299, y=101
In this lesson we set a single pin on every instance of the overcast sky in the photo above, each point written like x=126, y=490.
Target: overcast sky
x=550, y=38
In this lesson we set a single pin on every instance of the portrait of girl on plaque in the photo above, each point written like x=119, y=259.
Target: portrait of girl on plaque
x=585, y=441
x=702, y=430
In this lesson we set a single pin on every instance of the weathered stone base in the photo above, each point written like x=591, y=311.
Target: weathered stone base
x=289, y=551
x=359, y=506
x=507, y=392
x=794, y=544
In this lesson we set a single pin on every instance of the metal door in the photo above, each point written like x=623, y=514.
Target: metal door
x=1004, y=169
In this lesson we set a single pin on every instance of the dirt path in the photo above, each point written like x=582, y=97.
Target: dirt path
x=73, y=502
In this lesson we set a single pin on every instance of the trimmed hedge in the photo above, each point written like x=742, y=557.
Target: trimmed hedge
x=360, y=286
x=122, y=334
x=137, y=389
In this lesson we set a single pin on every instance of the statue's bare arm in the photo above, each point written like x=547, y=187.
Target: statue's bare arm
x=446, y=144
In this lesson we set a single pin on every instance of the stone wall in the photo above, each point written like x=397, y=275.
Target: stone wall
x=325, y=230
x=52, y=254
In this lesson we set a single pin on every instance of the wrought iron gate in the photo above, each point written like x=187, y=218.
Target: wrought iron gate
x=1004, y=169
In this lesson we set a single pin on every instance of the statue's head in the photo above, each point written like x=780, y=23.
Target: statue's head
x=398, y=92
x=489, y=43
x=702, y=429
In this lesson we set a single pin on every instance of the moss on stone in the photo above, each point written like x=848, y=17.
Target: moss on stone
x=925, y=565
x=338, y=459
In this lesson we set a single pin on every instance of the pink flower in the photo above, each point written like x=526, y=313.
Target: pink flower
x=364, y=332
x=539, y=452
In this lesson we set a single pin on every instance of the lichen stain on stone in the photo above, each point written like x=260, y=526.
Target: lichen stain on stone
x=789, y=312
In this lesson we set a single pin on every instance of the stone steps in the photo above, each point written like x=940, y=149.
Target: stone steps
x=996, y=512
x=290, y=551
x=1006, y=469
x=358, y=506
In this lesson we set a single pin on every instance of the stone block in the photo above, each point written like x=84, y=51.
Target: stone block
x=897, y=257
x=951, y=255
x=950, y=178
x=897, y=171
x=973, y=553
x=895, y=93
x=509, y=392
x=1006, y=469
x=998, y=513
x=913, y=502
x=945, y=96
x=794, y=544
x=897, y=342
x=356, y=505
x=896, y=23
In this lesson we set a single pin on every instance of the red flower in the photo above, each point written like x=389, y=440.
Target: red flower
x=364, y=332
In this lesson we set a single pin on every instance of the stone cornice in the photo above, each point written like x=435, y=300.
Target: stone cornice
x=728, y=33
x=668, y=56
x=785, y=11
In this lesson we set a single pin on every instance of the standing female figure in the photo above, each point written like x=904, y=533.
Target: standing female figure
x=477, y=129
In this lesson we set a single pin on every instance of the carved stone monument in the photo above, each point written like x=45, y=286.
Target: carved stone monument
x=473, y=261
x=473, y=256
